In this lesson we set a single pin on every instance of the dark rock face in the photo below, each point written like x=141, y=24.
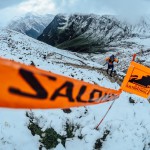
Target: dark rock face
x=84, y=33
x=51, y=34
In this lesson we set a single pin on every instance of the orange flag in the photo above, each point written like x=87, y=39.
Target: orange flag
x=137, y=80
x=28, y=87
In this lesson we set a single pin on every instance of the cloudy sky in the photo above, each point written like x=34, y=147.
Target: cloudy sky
x=125, y=8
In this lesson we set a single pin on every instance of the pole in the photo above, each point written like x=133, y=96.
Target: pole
x=105, y=115
x=134, y=55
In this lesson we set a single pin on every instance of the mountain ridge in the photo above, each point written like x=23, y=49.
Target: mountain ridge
x=90, y=33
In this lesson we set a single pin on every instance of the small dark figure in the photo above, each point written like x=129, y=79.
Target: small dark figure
x=110, y=60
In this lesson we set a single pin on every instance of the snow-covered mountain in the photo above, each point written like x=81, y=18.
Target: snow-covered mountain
x=92, y=33
x=125, y=127
x=31, y=24
x=84, y=32
x=142, y=27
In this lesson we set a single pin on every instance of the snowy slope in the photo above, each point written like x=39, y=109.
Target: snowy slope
x=30, y=24
x=127, y=123
x=142, y=27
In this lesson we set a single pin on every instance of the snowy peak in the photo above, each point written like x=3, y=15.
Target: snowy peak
x=31, y=24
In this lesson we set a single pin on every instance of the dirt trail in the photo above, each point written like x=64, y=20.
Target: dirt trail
x=117, y=78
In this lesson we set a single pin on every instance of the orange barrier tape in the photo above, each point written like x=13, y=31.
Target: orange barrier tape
x=28, y=87
x=137, y=80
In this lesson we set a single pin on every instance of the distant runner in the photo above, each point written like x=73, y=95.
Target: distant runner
x=110, y=60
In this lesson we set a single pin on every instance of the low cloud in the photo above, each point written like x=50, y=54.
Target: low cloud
x=38, y=6
x=34, y=6
x=128, y=9
x=8, y=3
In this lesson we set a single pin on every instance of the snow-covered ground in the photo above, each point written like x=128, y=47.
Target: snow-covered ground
x=127, y=123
